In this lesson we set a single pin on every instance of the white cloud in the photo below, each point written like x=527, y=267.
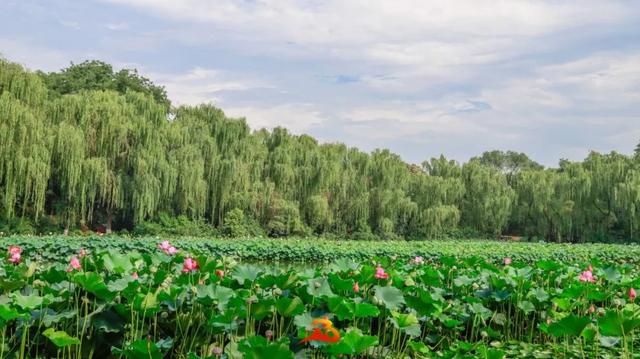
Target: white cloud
x=71, y=24
x=33, y=56
x=120, y=26
x=298, y=118
x=601, y=82
x=459, y=75
x=201, y=85
x=415, y=44
x=402, y=32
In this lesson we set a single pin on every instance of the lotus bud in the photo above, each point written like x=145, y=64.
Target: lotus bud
x=252, y=299
x=216, y=351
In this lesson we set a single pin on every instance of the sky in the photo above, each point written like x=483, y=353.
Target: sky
x=553, y=79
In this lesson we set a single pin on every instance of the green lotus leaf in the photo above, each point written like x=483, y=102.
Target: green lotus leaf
x=60, y=338
x=288, y=307
x=245, y=272
x=391, y=297
x=353, y=343
x=570, y=325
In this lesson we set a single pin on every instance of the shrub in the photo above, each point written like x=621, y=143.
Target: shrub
x=236, y=224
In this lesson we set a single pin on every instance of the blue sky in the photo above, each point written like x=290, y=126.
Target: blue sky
x=554, y=79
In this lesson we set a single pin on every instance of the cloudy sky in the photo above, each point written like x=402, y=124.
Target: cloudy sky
x=554, y=79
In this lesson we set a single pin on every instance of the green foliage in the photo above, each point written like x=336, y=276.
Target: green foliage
x=236, y=225
x=285, y=220
x=509, y=162
x=93, y=149
x=99, y=76
x=178, y=226
x=487, y=200
x=322, y=250
x=133, y=300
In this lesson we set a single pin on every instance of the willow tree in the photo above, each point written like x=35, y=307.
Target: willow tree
x=97, y=147
x=438, y=199
x=488, y=198
x=390, y=207
x=603, y=214
x=347, y=188
x=442, y=167
x=109, y=159
x=544, y=206
x=220, y=165
x=627, y=195
x=25, y=144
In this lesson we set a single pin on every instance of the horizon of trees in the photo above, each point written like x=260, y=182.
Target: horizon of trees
x=88, y=147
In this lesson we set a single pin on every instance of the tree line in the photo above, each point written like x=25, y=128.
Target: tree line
x=89, y=147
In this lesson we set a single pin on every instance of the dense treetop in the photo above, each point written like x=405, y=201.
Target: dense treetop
x=97, y=75
x=88, y=147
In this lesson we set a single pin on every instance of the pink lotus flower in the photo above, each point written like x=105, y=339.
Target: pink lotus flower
x=356, y=287
x=587, y=276
x=82, y=253
x=167, y=248
x=15, y=250
x=135, y=276
x=380, y=273
x=189, y=265
x=506, y=261
x=418, y=260
x=268, y=333
x=15, y=258
x=592, y=309
x=219, y=273
x=632, y=294
x=15, y=254
x=74, y=264
x=164, y=245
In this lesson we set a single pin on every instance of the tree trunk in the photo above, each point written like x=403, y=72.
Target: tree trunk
x=109, y=221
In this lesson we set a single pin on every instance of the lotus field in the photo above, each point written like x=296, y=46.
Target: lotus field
x=174, y=302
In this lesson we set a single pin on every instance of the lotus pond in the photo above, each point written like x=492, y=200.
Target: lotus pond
x=317, y=250
x=101, y=298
